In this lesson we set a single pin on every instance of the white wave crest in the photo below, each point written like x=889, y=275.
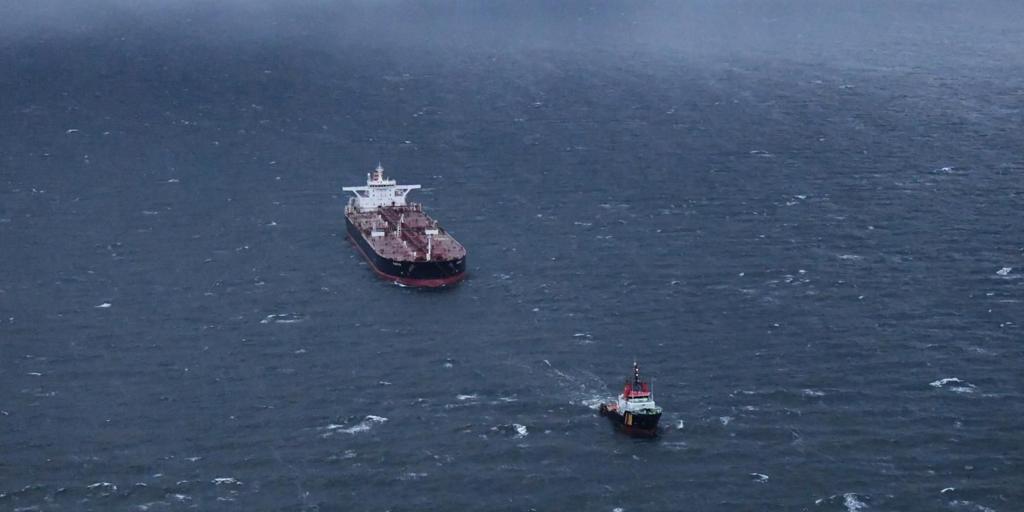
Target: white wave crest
x=593, y=402
x=520, y=430
x=516, y=430
x=964, y=504
x=853, y=504
x=283, y=318
x=959, y=386
x=366, y=424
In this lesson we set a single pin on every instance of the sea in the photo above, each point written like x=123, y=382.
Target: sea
x=804, y=220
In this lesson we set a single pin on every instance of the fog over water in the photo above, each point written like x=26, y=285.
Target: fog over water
x=802, y=218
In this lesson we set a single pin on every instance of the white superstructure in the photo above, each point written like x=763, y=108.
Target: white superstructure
x=637, y=397
x=638, y=405
x=379, y=192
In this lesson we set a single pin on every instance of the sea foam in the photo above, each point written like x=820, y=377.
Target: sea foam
x=852, y=503
x=366, y=424
x=958, y=386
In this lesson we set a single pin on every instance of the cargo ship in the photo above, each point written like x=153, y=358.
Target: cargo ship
x=635, y=411
x=399, y=240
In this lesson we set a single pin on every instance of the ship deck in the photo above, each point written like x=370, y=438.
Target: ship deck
x=409, y=243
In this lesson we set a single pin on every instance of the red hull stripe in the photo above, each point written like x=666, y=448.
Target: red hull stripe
x=405, y=281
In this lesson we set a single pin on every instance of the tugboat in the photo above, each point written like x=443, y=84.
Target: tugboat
x=398, y=239
x=635, y=411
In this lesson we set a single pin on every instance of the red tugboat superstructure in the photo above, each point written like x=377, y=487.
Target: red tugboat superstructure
x=635, y=411
x=399, y=241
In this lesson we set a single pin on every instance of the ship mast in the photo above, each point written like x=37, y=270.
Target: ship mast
x=430, y=232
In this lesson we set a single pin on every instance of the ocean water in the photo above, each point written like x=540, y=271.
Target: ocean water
x=811, y=242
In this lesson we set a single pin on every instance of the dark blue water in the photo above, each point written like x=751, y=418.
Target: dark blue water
x=813, y=245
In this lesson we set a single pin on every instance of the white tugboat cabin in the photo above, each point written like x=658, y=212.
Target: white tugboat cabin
x=637, y=396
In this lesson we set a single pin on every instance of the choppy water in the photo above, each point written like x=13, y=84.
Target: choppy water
x=819, y=261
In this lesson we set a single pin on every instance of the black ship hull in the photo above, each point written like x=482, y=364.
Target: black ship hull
x=639, y=425
x=424, y=274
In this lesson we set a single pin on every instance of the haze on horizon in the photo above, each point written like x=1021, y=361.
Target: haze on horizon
x=921, y=34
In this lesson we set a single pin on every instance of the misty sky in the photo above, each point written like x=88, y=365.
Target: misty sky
x=872, y=33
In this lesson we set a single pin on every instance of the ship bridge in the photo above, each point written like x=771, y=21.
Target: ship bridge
x=379, y=192
x=637, y=396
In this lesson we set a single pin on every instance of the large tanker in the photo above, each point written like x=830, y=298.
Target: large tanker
x=399, y=241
